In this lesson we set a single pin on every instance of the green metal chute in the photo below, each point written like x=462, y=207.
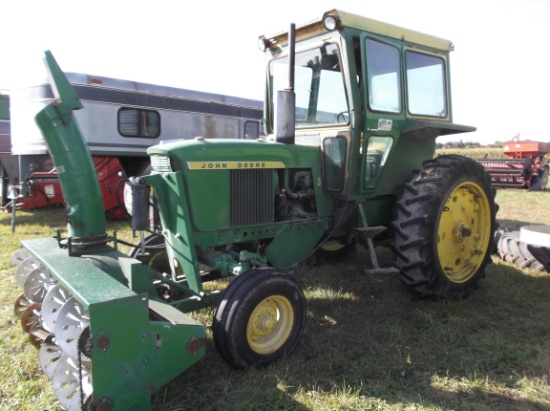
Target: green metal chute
x=72, y=159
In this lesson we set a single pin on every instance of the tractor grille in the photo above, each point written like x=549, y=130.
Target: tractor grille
x=252, y=197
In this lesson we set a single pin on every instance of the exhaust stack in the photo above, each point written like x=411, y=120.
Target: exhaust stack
x=72, y=159
x=285, y=120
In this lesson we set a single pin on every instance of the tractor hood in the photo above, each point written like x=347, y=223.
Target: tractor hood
x=224, y=154
x=225, y=184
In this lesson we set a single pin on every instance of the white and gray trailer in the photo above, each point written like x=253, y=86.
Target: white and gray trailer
x=120, y=120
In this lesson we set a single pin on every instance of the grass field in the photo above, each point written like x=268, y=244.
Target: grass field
x=368, y=343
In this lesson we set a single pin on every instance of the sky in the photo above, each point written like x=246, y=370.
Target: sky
x=499, y=70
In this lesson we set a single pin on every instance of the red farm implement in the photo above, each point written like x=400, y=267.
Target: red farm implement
x=523, y=167
x=44, y=188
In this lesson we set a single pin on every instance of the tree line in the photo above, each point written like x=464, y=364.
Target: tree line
x=466, y=144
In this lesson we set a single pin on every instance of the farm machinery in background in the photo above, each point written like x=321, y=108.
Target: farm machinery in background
x=524, y=166
x=338, y=159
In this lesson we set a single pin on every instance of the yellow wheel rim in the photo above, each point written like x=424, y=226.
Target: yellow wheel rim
x=464, y=232
x=332, y=245
x=270, y=324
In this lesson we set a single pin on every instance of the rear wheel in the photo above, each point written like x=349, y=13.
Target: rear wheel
x=260, y=318
x=443, y=230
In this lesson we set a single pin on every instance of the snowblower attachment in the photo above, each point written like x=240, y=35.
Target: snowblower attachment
x=105, y=340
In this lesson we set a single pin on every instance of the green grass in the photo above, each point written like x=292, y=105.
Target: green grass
x=368, y=343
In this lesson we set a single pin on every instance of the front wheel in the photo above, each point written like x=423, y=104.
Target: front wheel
x=444, y=228
x=260, y=318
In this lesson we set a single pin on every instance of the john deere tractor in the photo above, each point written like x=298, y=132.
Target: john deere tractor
x=352, y=110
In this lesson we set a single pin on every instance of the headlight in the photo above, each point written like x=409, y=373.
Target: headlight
x=330, y=22
x=160, y=164
x=263, y=43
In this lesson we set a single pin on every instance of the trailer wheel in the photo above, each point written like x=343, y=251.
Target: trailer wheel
x=443, y=230
x=260, y=318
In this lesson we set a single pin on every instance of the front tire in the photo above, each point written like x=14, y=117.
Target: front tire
x=444, y=228
x=260, y=318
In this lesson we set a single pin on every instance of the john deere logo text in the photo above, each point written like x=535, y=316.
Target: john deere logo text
x=233, y=165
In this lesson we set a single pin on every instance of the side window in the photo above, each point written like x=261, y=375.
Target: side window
x=378, y=149
x=251, y=130
x=332, y=105
x=384, y=77
x=426, y=88
x=134, y=122
x=335, y=149
x=303, y=79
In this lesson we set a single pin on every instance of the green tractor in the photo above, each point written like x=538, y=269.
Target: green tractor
x=352, y=110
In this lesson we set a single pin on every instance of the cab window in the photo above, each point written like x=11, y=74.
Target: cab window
x=318, y=85
x=426, y=88
x=384, y=77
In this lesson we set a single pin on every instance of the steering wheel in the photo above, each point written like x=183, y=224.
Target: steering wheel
x=342, y=117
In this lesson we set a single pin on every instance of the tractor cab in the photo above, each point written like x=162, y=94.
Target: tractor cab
x=372, y=96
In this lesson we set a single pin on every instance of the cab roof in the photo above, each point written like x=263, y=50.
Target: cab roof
x=354, y=21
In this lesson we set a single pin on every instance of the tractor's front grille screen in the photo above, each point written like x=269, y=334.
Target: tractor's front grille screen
x=252, y=197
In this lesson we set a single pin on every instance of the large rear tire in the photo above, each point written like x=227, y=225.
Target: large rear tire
x=260, y=318
x=444, y=228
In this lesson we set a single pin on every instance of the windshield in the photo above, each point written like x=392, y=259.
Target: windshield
x=319, y=86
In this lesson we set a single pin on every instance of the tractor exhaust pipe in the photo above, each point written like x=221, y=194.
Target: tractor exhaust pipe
x=285, y=120
x=75, y=168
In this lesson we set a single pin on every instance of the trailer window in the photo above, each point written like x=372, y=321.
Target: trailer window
x=426, y=88
x=319, y=86
x=133, y=122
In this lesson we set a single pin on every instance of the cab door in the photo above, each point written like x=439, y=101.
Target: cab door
x=383, y=108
